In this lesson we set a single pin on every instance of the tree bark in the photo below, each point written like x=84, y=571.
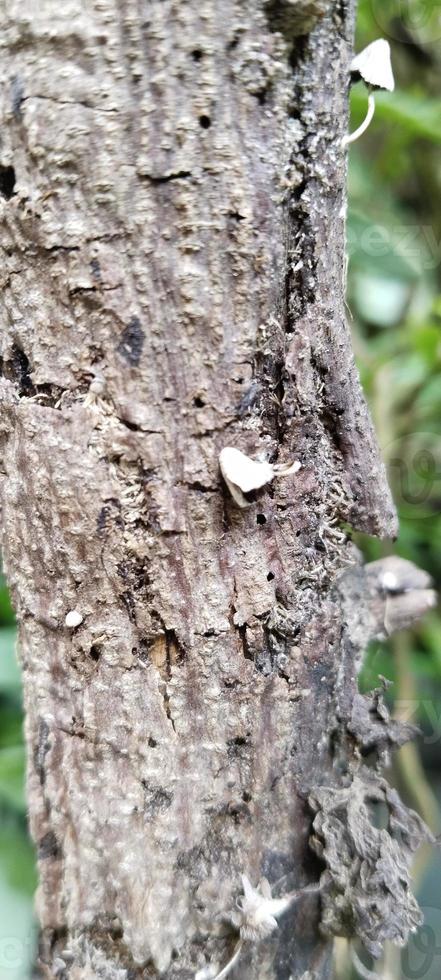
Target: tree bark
x=173, y=202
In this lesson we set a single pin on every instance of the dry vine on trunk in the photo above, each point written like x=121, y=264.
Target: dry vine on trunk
x=172, y=208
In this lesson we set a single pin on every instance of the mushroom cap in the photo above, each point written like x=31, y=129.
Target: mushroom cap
x=373, y=64
x=73, y=619
x=242, y=474
x=245, y=473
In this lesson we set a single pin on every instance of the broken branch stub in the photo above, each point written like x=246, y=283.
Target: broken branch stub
x=367, y=880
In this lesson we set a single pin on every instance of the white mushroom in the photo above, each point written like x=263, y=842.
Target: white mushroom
x=242, y=474
x=373, y=65
x=73, y=619
x=258, y=910
x=255, y=918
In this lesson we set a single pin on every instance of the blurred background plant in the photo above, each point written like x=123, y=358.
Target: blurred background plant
x=394, y=299
x=17, y=866
x=394, y=303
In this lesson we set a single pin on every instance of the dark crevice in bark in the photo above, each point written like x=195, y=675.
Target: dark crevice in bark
x=199, y=487
x=175, y=652
x=54, y=249
x=167, y=708
x=41, y=749
x=166, y=178
x=131, y=426
x=16, y=367
x=242, y=630
x=301, y=261
x=17, y=96
x=7, y=181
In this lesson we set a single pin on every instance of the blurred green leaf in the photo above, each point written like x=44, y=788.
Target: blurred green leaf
x=18, y=930
x=10, y=679
x=6, y=612
x=415, y=113
x=17, y=858
x=12, y=776
x=11, y=723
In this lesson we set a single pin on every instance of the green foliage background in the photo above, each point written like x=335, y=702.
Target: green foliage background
x=394, y=299
x=17, y=870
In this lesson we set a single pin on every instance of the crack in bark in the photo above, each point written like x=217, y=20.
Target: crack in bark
x=69, y=102
x=15, y=367
x=166, y=178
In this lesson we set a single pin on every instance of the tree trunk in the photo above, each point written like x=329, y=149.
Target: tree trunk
x=173, y=201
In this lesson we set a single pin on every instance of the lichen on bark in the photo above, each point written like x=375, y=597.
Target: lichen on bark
x=173, y=282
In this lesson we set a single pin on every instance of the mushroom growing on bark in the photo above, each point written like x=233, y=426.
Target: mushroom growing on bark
x=243, y=474
x=373, y=65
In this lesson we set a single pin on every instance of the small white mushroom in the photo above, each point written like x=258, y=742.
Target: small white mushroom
x=242, y=474
x=255, y=918
x=258, y=911
x=373, y=65
x=73, y=619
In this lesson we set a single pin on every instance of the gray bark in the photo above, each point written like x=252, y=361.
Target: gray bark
x=173, y=282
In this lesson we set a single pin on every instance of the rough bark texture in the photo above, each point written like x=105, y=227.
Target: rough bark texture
x=173, y=282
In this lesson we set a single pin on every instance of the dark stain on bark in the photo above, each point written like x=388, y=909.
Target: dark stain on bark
x=109, y=515
x=16, y=367
x=48, y=847
x=157, y=800
x=17, y=96
x=132, y=342
x=293, y=19
x=41, y=749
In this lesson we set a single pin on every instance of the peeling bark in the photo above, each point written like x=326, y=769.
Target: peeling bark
x=172, y=206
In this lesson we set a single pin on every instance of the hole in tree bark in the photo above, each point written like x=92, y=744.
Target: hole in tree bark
x=16, y=368
x=261, y=519
x=7, y=181
x=205, y=121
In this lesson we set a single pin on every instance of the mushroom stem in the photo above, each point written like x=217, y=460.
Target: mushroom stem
x=351, y=137
x=232, y=962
